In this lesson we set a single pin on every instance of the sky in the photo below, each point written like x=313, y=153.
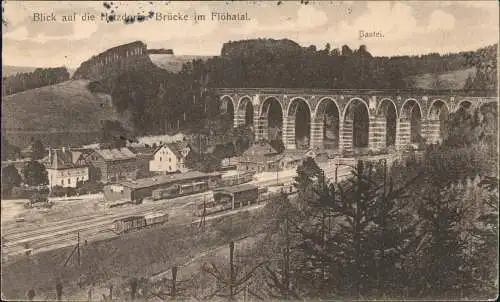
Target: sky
x=406, y=27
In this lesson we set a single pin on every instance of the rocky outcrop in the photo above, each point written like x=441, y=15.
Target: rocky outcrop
x=119, y=57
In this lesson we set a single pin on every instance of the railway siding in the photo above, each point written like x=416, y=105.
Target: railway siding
x=134, y=254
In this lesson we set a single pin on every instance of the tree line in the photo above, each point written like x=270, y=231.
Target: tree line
x=29, y=80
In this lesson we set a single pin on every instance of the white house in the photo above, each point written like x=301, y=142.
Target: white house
x=170, y=158
x=66, y=168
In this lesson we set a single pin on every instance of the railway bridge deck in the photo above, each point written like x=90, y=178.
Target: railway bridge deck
x=349, y=118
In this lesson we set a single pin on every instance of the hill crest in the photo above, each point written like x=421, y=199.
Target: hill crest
x=66, y=111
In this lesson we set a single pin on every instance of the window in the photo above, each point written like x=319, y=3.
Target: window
x=170, y=167
x=69, y=181
x=77, y=179
x=160, y=158
x=62, y=182
x=169, y=159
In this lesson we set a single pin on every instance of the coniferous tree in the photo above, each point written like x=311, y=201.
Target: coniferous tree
x=485, y=243
x=10, y=179
x=441, y=270
x=279, y=271
x=38, y=150
x=35, y=174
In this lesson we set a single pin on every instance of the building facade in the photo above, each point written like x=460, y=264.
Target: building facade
x=112, y=165
x=260, y=157
x=170, y=158
x=66, y=168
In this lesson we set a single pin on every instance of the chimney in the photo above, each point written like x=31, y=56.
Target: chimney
x=55, y=165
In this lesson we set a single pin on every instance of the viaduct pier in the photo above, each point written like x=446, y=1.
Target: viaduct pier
x=348, y=119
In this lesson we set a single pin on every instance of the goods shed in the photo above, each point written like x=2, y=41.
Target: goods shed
x=136, y=190
x=237, y=196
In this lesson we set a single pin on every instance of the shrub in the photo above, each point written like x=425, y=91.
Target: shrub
x=59, y=191
x=70, y=192
x=20, y=192
x=89, y=187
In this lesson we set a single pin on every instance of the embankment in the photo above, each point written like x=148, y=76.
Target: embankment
x=142, y=253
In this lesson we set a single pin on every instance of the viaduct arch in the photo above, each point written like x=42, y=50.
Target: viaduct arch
x=347, y=119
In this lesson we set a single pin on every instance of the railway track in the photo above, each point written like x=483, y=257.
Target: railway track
x=91, y=227
x=63, y=224
x=50, y=236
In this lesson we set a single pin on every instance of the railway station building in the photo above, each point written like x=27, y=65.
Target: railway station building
x=137, y=190
x=66, y=168
x=237, y=196
x=260, y=157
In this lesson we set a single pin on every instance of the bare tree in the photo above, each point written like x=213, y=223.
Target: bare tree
x=229, y=284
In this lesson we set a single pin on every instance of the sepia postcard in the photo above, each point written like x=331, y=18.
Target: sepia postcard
x=249, y=150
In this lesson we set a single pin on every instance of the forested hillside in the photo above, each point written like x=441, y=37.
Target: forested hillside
x=154, y=100
x=29, y=80
x=165, y=99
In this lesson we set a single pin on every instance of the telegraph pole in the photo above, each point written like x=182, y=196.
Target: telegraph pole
x=78, y=249
x=336, y=171
x=202, y=221
x=277, y=173
x=174, y=280
x=231, y=265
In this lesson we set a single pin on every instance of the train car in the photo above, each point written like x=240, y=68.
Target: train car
x=181, y=190
x=139, y=222
x=200, y=186
x=165, y=193
x=156, y=219
x=211, y=207
x=128, y=224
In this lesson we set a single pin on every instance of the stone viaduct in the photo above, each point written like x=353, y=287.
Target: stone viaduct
x=381, y=117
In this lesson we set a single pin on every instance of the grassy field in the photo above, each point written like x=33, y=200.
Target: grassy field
x=143, y=253
x=449, y=80
x=67, y=108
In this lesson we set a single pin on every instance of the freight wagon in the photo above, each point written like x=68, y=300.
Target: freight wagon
x=181, y=190
x=138, y=222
